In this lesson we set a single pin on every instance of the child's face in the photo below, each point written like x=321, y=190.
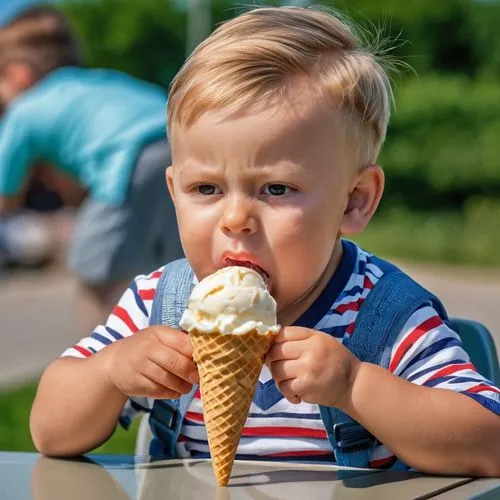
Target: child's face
x=265, y=189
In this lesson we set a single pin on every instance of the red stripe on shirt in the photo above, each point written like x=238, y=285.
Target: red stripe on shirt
x=381, y=462
x=268, y=431
x=351, y=306
x=410, y=340
x=284, y=432
x=121, y=313
x=83, y=351
x=147, y=294
x=154, y=275
x=483, y=387
x=305, y=453
x=194, y=417
x=448, y=370
x=367, y=283
x=350, y=329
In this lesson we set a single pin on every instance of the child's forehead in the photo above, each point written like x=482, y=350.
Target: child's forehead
x=263, y=130
x=288, y=134
x=300, y=112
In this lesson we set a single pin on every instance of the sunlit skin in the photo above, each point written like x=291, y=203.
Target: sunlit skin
x=269, y=188
x=273, y=188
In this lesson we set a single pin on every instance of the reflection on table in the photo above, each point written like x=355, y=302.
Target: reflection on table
x=112, y=478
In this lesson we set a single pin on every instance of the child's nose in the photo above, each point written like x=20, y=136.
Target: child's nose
x=238, y=217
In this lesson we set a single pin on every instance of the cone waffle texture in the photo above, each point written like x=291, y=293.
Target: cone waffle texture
x=229, y=368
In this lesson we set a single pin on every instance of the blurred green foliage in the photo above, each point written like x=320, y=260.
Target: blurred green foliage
x=441, y=157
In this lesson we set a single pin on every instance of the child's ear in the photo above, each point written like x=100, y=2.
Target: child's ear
x=169, y=175
x=365, y=194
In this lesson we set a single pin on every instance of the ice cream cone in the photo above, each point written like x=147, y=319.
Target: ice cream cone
x=229, y=368
x=231, y=321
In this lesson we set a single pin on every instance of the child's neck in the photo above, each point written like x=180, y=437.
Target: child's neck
x=294, y=311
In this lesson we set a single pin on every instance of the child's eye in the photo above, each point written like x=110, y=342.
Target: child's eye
x=208, y=189
x=276, y=189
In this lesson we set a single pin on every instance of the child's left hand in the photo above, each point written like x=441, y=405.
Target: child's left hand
x=312, y=366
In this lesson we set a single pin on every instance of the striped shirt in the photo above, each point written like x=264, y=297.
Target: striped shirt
x=426, y=353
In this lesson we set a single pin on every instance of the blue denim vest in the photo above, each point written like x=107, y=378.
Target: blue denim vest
x=380, y=320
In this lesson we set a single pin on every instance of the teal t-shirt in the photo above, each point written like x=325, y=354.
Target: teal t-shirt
x=90, y=123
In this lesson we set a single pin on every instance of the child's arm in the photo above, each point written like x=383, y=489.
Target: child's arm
x=76, y=407
x=79, y=400
x=430, y=429
x=81, y=395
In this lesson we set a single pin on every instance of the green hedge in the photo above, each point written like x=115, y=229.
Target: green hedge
x=471, y=237
x=442, y=164
x=441, y=157
x=444, y=137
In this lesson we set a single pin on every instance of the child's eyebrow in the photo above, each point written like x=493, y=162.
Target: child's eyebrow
x=281, y=165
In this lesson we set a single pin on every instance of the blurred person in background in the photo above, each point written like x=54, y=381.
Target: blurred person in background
x=38, y=232
x=100, y=135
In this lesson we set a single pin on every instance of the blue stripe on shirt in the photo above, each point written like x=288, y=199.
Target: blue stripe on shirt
x=487, y=402
x=302, y=416
x=113, y=333
x=101, y=338
x=137, y=297
x=454, y=379
x=307, y=416
x=434, y=348
x=330, y=458
x=435, y=368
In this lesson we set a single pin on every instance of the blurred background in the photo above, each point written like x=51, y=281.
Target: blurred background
x=440, y=216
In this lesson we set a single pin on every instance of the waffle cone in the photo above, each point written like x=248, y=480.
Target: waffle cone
x=229, y=368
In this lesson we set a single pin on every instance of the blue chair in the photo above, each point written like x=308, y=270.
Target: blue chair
x=479, y=345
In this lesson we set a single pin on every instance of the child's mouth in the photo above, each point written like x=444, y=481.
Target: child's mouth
x=245, y=263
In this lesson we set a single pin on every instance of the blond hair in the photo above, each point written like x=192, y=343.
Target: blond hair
x=257, y=54
x=42, y=37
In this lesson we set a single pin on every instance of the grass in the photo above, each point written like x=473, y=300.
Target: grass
x=15, y=408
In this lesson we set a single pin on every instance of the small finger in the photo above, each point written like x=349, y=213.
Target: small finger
x=283, y=351
x=289, y=389
x=151, y=389
x=166, y=379
x=162, y=393
x=176, y=339
x=176, y=363
x=283, y=370
x=293, y=333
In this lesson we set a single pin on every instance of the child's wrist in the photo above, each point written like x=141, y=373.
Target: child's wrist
x=346, y=403
x=103, y=364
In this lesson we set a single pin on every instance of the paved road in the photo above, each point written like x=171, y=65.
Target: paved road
x=37, y=312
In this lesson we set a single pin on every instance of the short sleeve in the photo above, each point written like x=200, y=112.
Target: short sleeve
x=130, y=315
x=17, y=150
x=429, y=353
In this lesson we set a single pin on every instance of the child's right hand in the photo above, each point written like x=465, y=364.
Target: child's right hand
x=156, y=362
